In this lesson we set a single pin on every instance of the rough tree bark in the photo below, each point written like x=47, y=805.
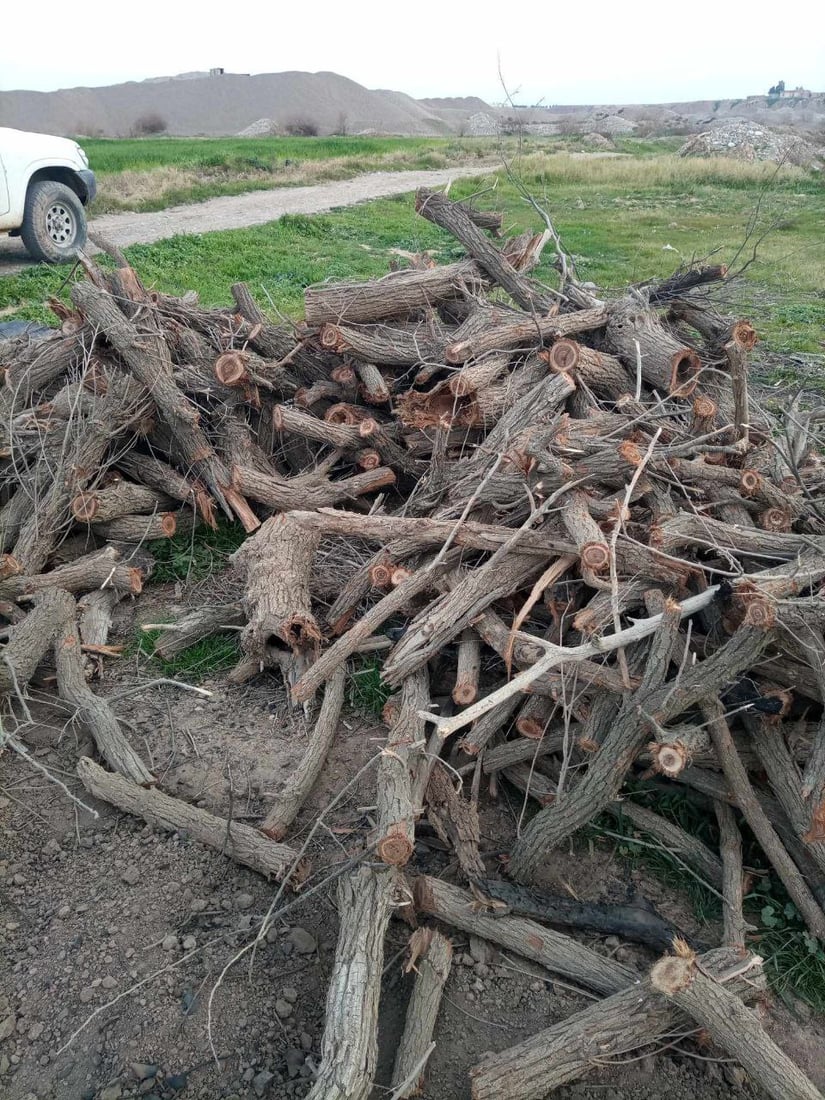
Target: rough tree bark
x=349, y=1048
x=240, y=842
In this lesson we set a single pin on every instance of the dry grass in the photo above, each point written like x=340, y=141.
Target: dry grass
x=157, y=188
x=662, y=171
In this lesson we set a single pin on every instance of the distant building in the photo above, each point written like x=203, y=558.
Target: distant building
x=216, y=72
x=795, y=93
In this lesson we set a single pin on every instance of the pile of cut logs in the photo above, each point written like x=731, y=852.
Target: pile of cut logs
x=594, y=556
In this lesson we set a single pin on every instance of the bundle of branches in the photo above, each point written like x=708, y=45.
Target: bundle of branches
x=588, y=539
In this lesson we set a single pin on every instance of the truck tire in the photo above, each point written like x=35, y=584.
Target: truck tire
x=54, y=223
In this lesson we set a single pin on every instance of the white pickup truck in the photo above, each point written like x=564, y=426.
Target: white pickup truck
x=45, y=183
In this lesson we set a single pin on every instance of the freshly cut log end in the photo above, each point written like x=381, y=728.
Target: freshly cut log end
x=344, y=376
x=704, y=407
x=751, y=482
x=464, y=694
x=595, y=556
x=381, y=574
x=670, y=759
x=673, y=974
x=230, y=368
x=630, y=453
x=744, y=334
x=369, y=460
x=685, y=368
x=84, y=507
x=563, y=357
x=395, y=848
x=760, y=613
x=341, y=414
x=330, y=338
x=775, y=519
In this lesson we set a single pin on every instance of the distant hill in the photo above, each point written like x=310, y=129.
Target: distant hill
x=206, y=104
x=212, y=105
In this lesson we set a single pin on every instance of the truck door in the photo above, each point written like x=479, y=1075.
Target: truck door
x=4, y=190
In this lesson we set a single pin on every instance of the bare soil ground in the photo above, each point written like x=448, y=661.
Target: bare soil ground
x=105, y=916
x=252, y=208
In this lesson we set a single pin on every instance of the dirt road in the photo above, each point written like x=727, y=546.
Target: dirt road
x=252, y=208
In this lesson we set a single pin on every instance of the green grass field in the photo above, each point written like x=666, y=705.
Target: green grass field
x=155, y=173
x=625, y=219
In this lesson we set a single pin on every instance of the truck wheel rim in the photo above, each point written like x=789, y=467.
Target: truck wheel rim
x=60, y=224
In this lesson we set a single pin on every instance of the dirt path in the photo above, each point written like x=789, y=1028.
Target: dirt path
x=251, y=208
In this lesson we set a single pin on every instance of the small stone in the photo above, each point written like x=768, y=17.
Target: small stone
x=88, y=1094
x=294, y=1061
x=19, y=880
x=283, y=1008
x=272, y=934
x=244, y=901
x=143, y=1071
x=289, y=994
x=177, y=1082
x=109, y=982
x=612, y=941
x=170, y=942
x=112, y=1092
x=197, y=905
x=64, y=911
x=35, y=1031
x=482, y=969
x=51, y=848
x=86, y=994
x=131, y=875
x=303, y=942
x=262, y=1081
x=247, y=1075
x=306, y=1040
x=4, y=1065
x=7, y=1026
x=189, y=943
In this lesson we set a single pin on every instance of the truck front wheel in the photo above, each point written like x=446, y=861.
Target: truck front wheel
x=54, y=223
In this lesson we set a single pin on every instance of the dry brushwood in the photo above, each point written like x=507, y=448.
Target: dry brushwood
x=566, y=528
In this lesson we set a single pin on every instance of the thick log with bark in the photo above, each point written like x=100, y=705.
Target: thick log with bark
x=393, y=295
x=349, y=1048
x=633, y=330
x=240, y=842
x=430, y=957
x=737, y=1030
x=398, y=802
x=629, y=1020
x=559, y=953
x=277, y=565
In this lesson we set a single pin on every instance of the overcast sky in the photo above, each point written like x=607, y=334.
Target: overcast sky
x=597, y=52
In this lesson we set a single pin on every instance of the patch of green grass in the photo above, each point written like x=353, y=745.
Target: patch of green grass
x=121, y=154
x=625, y=219
x=366, y=690
x=204, y=659
x=195, y=555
